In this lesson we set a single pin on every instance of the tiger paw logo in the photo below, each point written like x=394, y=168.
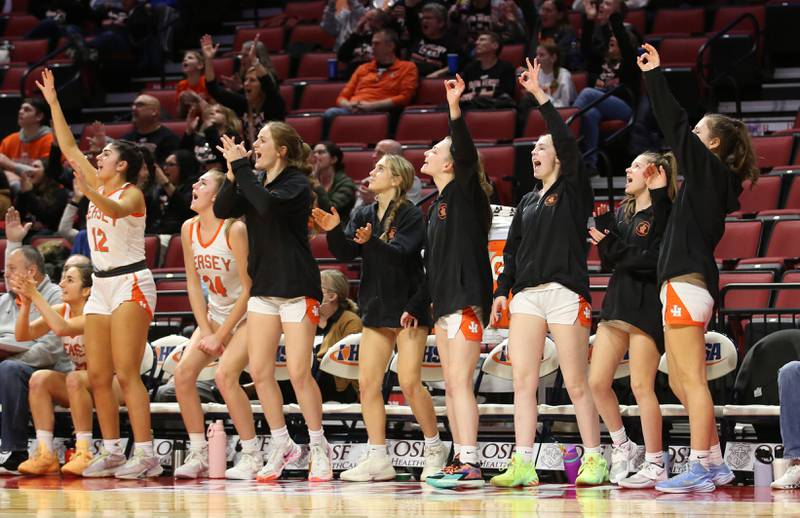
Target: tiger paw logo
x=443, y=211
x=643, y=228
x=551, y=200
x=392, y=232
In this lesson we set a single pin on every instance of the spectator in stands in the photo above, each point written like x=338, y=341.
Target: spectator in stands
x=596, y=27
x=32, y=141
x=789, y=388
x=204, y=125
x=190, y=90
x=175, y=180
x=357, y=48
x=383, y=84
x=341, y=18
x=58, y=18
x=148, y=130
x=490, y=81
x=614, y=68
x=431, y=41
x=329, y=172
x=41, y=197
x=146, y=182
x=261, y=101
x=16, y=370
x=338, y=317
x=556, y=81
x=554, y=27
x=502, y=17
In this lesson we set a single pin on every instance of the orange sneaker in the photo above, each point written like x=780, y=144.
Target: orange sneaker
x=79, y=460
x=44, y=462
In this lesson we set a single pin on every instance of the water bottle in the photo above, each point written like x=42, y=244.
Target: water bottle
x=572, y=462
x=762, y=466
x=333, y=69
x=217, y=450
x=779, y=464
x=178, y=455
x=452, y=64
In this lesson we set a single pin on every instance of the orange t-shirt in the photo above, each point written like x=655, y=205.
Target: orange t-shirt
x=14, y=148
x=200, y=88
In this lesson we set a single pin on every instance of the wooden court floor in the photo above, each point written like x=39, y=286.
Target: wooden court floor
x=73, y=497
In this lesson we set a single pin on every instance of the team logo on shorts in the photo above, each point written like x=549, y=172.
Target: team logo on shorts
x=443, y=211
x=643, y=228
x=551, y=200
x=392, y=232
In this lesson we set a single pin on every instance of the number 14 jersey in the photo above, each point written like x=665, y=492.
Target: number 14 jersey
x=218, y=270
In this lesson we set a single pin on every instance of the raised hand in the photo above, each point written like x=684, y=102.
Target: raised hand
x=23, y=286
x=454, y=88
x=363, y=234
x=649, y=59
x=231, y=150
x=655, y=177
x=80, y=183
x=590, y=8
x=499, y=305
x=48, y=86
x=207, y=46
x=596, y=236
x=327, y=221
x=529, y=79
x=15, y=230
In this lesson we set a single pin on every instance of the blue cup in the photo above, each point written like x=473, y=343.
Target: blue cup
x=452, y=64
x=333, y=69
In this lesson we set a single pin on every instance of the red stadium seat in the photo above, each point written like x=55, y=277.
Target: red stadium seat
x=422, y=127
x=18, y=25
x=177, y=302
x=491, y=125
x=498, y=162
x=114, y=131
x=773, y=151
x=305, y=11
x=28, y=51
x=368, y=129
x=536, y=127
x=637, y=18
x=313, y=35
x=793, y=200
x=168, y=100
x=319, y=247
x=309, y=128
x=171, y=284
x=598, y=295
x=223, y=67
x=726, y=15
x=762, y=196
x=12, y=79
x=358, y=164
x=783, y=244
x=416, y=155
x=593, y=260
x=740, y=241
x=580, y=80
x=152, y=250
x=743, y=299
x=280, y=62
x=272, y=38
x=680, y=52
x=314, y=65
x=319, y=96
x=788, y=299
x=173, y=258
x=430, y=92
x=679, y=21
x=287, y=93
x=514, y=54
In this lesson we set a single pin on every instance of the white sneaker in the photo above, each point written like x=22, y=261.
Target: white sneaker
x=435, y=460
x=789, y=480
x=320, y=467
x=278, y=457
x=648, y=476
x=247, y=467
x=196, y=465
x=620, y=461
x=140, y=465
x=377, y=468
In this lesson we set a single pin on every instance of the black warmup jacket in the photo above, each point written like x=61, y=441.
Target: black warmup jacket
x=391, y=271
x=631, y=249
x=547, y=241
x=456, y=252
x=710, y=190
x=279, y=260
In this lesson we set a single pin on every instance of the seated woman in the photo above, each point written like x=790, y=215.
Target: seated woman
x=176, y=180
x=328, y=161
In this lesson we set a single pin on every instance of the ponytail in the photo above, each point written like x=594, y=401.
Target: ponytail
x=397, y=166
x=735, y=147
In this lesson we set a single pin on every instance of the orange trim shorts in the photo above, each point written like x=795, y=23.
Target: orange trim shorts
x=291, y=311
x=554, y=304
x=466, y=320
x=108, y=293
x=684, y=304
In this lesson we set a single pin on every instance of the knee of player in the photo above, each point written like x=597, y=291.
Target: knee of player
x=577, y=389
x=76, y=381
x=38, y=381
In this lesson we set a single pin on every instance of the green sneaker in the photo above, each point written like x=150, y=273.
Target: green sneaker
x=518, y=473
x=593, y=470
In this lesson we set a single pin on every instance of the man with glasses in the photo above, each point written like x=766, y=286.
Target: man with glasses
x=148, y=131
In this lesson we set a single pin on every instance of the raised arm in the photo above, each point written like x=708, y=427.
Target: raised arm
x=130, y=202
x=465, y=154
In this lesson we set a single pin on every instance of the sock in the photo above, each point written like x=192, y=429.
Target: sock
x=250, y=445
x=279, y=435
x=316, y=436
x=45, y=438
x=432, y=441
x=656, y=458
x=84, y=436
x=700, y=456
x=715, y=455
x=525, y=452
x=469, y=454
x=146, y=447
x=596, y=450
x=456, y=449
x=377, y=450
x=619, y=436
x=113, y=446
x=197, y=441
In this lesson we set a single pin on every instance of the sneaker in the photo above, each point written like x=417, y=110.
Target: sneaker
x=593, y=470
x=44, y=462
x=621, y=456
x=278, y=456
x=721, y=475
x=696, y=479
x=370, y=468
x=448, y=468
x=140, y=465
x=12, y=461
x=519, y=473
x=457, y=476
x=647, y=477
x=104, y=465
x=196, y=465
x=79, y=461
x=435, y=460
x=789, y=480
x=320, y=465
x=247, y=467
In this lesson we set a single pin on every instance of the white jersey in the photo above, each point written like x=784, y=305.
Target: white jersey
x=115, y=242
x=73, y=345
x=217, y=269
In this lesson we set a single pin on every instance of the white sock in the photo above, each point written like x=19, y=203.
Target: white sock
x=655, y=458
x=250, y=445
x=84, y=436
x=432, y=441
x=279, y=435
x=377, y=450
x=45, y=438
x=595, y=449
x=525, y=452
x=619, y=436
x=469, y=454
x=316, y=436
x=197, y=441
x=715, y=455
x=700, y=456
x=456, y=449
x=113, y=446
x=146, y=447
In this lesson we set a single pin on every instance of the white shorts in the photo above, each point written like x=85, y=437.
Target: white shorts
x=684, y=304
x=108, y=293
x=466, y=320
x=290, y=310
x=553, y=303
